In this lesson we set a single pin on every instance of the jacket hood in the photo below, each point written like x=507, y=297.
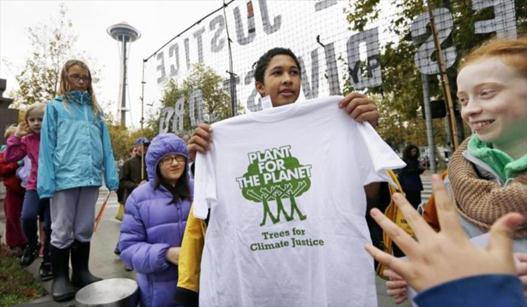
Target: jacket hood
x=162, y=145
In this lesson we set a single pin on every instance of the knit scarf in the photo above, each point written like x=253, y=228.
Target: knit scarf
x=483, y=201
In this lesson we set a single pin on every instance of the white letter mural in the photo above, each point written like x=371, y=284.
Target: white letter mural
x=372, y=76
x=165, y=119
x=423, y=56
x=195, y=107
x=504, y=22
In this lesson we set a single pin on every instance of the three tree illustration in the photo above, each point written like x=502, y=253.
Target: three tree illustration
x=277, y=191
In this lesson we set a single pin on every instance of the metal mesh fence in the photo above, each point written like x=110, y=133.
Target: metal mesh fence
x=388, y=49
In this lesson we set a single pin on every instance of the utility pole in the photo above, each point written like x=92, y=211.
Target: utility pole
x=444, y=80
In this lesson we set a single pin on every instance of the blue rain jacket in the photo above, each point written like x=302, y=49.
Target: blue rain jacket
x=75, y=147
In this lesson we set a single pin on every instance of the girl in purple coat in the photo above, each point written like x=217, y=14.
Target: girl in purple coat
x=155, y=218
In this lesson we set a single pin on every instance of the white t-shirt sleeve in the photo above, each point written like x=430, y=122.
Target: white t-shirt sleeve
x=204, y=184
x=378, y=156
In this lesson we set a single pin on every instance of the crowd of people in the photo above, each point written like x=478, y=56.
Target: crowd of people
x=188, y=232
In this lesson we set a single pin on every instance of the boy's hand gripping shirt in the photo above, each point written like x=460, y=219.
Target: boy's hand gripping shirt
x=285, y=189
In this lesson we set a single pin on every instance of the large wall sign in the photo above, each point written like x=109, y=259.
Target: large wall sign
x=317, y=31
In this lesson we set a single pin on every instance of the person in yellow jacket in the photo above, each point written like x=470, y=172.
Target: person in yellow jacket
x=187, y=292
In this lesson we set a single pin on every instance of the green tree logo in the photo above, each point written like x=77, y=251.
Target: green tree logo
x=275, y=175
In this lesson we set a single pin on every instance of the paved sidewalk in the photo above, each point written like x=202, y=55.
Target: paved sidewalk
x=426, y=178
x=105, y=264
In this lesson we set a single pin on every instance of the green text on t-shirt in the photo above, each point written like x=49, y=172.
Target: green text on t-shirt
x=274, y=175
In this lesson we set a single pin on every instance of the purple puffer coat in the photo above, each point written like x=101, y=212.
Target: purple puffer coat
x=152, y=224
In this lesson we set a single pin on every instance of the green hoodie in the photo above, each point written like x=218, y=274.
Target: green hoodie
x=498, y=160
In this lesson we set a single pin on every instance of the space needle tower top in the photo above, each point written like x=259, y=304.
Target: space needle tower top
x=124, y=34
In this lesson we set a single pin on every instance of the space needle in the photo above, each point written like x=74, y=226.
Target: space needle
x=124, y=34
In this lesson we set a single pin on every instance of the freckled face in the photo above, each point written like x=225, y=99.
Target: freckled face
x=281, y=81
x=493, y=99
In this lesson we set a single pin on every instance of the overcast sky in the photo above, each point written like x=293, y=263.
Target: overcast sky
x=158, y=21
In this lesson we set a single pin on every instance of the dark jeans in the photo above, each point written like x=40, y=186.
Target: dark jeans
x=32, y=209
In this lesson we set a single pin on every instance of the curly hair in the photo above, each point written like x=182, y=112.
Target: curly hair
x=407, y=152
x=261, y=65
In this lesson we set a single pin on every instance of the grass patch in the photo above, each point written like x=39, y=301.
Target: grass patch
x=16, y=284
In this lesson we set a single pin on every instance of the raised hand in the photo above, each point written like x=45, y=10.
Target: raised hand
x=361, y=108
x=436, y=258
x=521, y=269
x=200, y=140
x=22, y=129
x=396, y=286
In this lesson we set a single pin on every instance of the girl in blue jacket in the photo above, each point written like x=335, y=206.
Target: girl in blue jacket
x=75, y=149
x=154, y=221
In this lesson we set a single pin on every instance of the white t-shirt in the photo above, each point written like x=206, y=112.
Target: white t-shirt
x=287, y=207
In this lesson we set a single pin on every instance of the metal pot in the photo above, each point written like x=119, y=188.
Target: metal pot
x=118, y=292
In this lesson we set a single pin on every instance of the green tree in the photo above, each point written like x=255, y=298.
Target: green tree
x=398, y=129
x=120, y=137
x=268, y=190
x=216, y=100
x=52, y=44
x=146, y=132
x=401, y=94
x=296, y=187
x=123, y=139
x=171, y=93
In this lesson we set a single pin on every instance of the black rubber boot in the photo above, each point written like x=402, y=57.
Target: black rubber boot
x=45, y=271
x=29, y=255
x=61, y=288
x=80, y=258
